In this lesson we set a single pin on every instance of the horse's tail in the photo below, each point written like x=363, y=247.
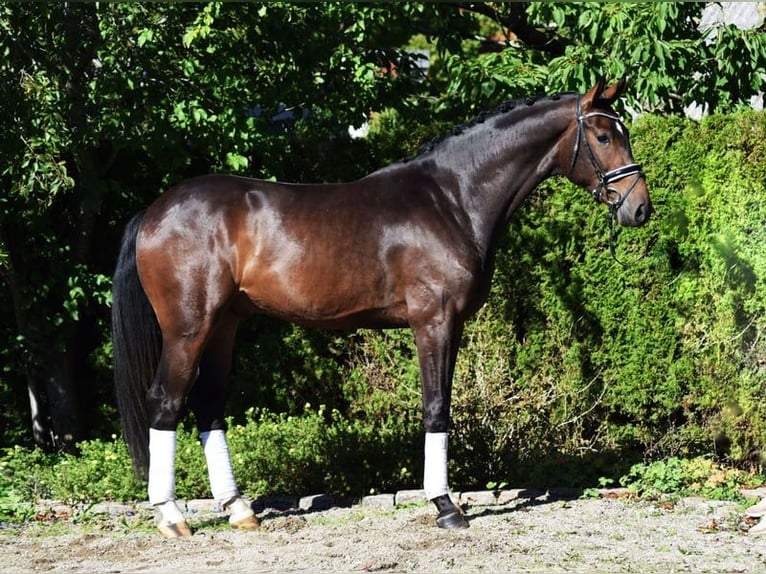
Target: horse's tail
x=136, y=345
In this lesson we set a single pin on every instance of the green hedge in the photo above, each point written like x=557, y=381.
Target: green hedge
x=317, y=451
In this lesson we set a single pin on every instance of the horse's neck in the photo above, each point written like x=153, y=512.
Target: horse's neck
x=496, y=165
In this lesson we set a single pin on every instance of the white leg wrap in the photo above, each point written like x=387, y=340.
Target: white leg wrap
x=435, y=471
x=162, y=466
x=219, y=465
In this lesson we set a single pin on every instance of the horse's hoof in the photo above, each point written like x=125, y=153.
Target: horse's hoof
x=247, y=523
x=451, y=519
x=242, y=515
x=175, y=530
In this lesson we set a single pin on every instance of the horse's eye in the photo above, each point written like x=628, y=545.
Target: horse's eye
x=603, y=138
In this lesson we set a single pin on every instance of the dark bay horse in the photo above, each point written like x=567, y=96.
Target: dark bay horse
x=410, y=245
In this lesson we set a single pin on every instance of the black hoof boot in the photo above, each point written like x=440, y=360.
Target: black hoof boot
x=451, y=519
x=450, y=516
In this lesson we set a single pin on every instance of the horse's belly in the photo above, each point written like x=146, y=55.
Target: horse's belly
x=327, y=298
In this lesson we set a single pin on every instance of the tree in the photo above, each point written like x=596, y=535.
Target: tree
x=105, y=104
x=566, y=45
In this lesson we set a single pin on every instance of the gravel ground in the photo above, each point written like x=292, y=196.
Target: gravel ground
x=610, y=534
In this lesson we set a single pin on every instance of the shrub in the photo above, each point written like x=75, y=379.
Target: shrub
x=101, y=471
x=316, y=452
x=698, y=476
x=661, y=358
x=272, y=453
x=578, y=363
x=27, y=473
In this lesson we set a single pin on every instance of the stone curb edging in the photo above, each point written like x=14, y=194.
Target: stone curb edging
x=320, y=502
x=316, y=502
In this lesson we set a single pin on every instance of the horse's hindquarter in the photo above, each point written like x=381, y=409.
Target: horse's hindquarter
x=184, y=251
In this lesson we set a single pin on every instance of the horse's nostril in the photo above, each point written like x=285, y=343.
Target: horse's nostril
x=641, y=213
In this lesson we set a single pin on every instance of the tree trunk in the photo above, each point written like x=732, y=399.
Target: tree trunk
x=53, y=401
x=64, y=404
x=41, y=432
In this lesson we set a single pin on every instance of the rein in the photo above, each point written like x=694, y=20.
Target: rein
x=605, y=179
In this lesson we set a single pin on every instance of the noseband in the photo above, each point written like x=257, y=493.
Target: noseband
x=605, y=179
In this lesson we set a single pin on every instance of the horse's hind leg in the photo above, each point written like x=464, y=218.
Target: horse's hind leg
x=165, y=404
x=207, y=401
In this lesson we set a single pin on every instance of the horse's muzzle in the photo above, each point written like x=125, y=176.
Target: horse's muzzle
x=634, y=213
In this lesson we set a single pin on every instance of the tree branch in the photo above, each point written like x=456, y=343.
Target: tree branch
x=514, y=19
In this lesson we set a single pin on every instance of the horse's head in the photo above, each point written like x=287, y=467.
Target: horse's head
x=599, y=156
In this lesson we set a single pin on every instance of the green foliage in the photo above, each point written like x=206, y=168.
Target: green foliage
x=574, y=364
x=283, y=454
x=25, y=477
x=27, y=473
x=662, y=40
x=316, y=451
x=282, y=367
x=13, y=508
x=384, y=382
x=688, y=477
x=97, y=473
x=709, y=250
x=272, y=453
x=106, y=104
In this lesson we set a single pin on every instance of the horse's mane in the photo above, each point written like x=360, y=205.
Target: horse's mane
x=503, y=108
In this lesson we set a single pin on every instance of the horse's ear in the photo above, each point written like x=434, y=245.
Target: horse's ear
x=613, y=93
x=593, y=94
x=600, y=96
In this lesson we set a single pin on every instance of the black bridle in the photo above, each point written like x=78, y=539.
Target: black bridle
x=605, y=179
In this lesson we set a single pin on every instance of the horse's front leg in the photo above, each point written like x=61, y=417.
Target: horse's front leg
x=437, y=343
